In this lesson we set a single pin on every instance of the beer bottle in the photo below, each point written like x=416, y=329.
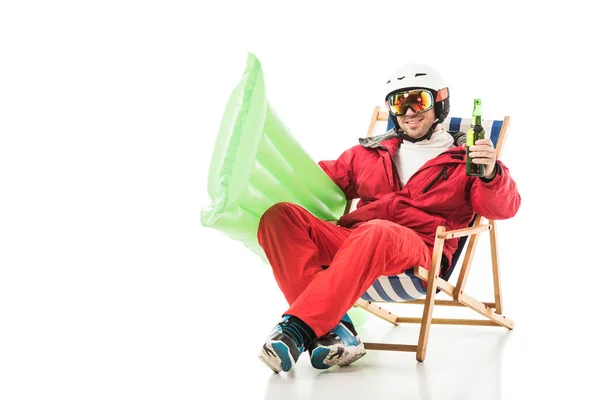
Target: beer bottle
x=475, y=133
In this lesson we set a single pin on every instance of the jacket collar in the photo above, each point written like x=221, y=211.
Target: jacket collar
x=389, y=141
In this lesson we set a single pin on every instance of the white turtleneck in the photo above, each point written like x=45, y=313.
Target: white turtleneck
x=411, y=156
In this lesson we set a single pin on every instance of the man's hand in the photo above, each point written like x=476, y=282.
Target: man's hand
x=483, y=152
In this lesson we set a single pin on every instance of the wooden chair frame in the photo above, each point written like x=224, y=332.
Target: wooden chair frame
x=492, y=311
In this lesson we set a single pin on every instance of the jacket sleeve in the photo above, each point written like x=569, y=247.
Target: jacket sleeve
x=497, y=198
x=341, y=171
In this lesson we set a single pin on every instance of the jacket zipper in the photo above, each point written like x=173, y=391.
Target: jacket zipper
x=438, y=176
x=395, y=175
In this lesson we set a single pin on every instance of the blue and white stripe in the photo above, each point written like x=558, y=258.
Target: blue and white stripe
x=396, y=288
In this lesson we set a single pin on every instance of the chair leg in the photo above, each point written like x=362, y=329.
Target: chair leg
x=486, y=311
x=495, y=268
x=430, y=297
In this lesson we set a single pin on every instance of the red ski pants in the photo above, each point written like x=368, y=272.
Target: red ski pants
x=297, y=245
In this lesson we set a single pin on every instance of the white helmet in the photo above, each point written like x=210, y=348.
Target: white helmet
x=413, y=76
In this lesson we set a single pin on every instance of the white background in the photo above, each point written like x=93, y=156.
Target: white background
x=109, y=285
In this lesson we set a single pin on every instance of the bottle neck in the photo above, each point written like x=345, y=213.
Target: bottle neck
x=477, y=120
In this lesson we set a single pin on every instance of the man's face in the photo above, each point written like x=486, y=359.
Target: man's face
x=416, y=125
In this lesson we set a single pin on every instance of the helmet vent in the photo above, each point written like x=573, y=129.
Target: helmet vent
x=420, y=74
x=401, y=78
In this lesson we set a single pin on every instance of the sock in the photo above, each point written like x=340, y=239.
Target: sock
x=298, y=330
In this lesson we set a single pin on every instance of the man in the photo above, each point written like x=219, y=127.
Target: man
x=409, y=181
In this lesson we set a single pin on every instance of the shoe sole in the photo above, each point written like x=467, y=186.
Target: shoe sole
x=277, y=356
x=325, y=357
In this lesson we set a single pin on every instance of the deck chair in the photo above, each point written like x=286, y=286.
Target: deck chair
x=408, y=288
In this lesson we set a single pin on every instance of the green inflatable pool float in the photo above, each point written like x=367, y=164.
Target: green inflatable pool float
x=256, y=163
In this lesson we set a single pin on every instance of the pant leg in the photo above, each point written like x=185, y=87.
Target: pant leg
x=297, y=245
x=373, y=249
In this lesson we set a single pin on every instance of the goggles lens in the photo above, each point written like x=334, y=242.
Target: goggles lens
x=417, y=100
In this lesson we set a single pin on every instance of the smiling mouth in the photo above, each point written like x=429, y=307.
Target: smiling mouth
x=413, y=122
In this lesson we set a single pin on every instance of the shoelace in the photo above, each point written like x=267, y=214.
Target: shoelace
x=293, y=331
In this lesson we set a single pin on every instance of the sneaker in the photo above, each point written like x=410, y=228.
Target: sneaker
x=280, y=352
x=341, y=347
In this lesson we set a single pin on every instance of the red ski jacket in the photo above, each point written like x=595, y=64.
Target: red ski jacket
x=439, y=193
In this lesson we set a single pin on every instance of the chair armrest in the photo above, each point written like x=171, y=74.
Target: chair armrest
x=464, y=232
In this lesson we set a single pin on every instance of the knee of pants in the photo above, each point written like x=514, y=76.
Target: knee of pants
x=278, y=213
x=279, y=216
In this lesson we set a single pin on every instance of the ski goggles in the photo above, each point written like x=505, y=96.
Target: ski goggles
x=418, y=100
